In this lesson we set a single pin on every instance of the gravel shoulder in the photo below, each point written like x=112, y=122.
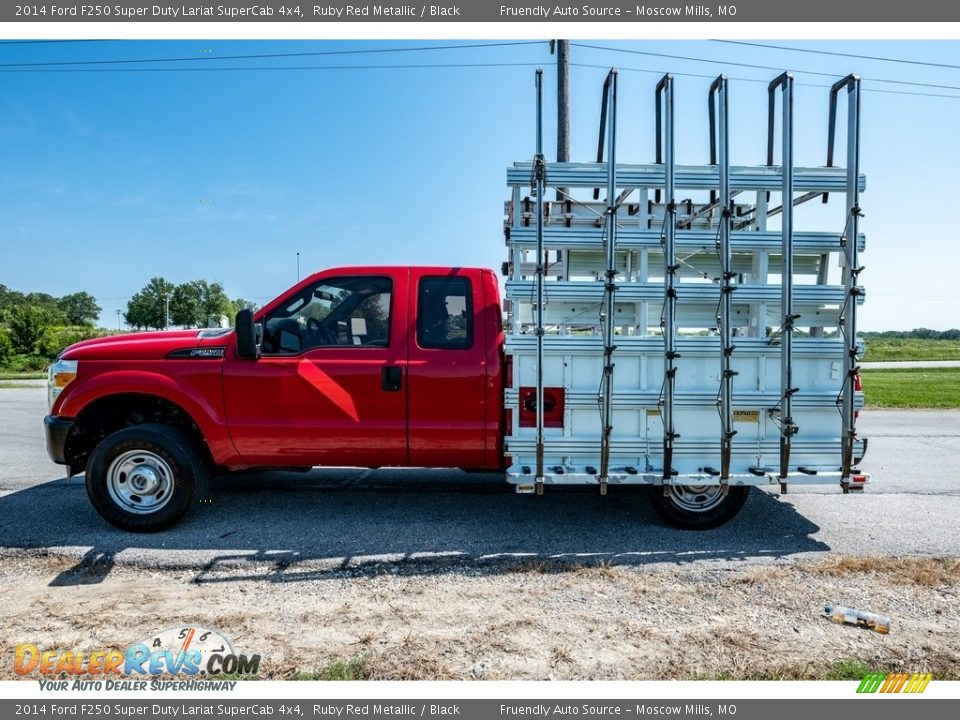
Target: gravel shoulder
x=526, y=620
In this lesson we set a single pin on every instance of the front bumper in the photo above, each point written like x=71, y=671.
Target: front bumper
x=57, y=431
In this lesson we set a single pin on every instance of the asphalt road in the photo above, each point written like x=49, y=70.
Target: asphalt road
x=265, y=523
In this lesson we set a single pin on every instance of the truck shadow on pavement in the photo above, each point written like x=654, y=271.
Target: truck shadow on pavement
x=287, y=527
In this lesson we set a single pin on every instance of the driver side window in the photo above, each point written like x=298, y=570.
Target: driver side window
x=345, y=311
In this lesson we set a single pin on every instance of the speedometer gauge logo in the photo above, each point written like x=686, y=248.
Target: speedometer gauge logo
x=195, y=642
x=189, y=650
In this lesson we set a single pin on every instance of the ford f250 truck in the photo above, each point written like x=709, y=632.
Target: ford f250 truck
x=645, y=338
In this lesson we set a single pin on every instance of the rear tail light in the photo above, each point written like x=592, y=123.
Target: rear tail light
x=857, y=387
x=508, y=371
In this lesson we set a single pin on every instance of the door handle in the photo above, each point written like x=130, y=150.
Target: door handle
x=391, y=377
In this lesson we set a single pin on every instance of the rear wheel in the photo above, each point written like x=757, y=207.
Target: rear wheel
x=146, y=477
x=697, y=507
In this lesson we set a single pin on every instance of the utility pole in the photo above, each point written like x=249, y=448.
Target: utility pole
x=298, y=267
x=119, y=328
x=563, y=107
x=166, y=322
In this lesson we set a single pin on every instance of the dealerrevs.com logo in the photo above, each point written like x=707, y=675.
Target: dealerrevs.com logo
x=183, y=651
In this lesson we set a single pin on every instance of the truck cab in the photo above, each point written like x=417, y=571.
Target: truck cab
x=354, y=366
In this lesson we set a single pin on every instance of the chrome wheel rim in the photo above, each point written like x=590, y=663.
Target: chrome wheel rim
x=696, y=498
x=140, y=482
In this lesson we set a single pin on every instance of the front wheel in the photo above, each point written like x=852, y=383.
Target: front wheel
x=146, y=477
x=697, y=507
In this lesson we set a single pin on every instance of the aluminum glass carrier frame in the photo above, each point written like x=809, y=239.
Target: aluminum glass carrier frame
x=666, y=341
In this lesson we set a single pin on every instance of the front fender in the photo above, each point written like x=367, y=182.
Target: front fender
x=198, y=393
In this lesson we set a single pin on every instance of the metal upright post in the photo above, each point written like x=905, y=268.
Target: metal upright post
x=610, y=287
x=719, y=88
x=851, y=266
x=665, y=147
x=539, y=172
x=563, y=108
x=604, y=103
x=787, y=426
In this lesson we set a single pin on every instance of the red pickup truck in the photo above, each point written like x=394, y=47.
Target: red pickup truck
x=357, y=366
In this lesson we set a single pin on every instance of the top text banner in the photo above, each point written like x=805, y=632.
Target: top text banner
x=620, y=11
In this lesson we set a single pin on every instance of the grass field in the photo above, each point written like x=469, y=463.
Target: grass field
x=912, y=388
x=7, y=375
x=879, y=349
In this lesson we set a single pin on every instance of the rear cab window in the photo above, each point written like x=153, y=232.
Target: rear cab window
x=445, y=313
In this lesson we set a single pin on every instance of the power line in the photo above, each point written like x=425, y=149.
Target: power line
x=264, y=56
x=664, y=72
x=273, y=68
x=905, y=92
x=758, y=67
x=811, y=51
x=60, y=67
x=81, y=65
x=28, y=71
x=758, y=80
x=47, y=42
x=694, y=59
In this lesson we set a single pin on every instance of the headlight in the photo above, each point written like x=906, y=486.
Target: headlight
x=60, y=374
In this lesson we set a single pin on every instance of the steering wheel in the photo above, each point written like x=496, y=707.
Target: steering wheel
x=323, y=334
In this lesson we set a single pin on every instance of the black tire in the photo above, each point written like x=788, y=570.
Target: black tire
x=677, y=512
x=158, y=456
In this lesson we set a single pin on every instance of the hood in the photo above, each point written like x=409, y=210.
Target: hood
x=147, y=345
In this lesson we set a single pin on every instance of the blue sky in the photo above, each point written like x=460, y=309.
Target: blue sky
x=110, y=178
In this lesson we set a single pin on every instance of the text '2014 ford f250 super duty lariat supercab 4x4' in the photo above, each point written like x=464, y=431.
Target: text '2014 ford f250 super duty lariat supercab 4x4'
x=644, y=339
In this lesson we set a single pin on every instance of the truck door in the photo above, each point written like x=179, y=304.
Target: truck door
x=329, y=388
x=446, y=370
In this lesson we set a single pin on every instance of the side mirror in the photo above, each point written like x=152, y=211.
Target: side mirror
x=247, y=342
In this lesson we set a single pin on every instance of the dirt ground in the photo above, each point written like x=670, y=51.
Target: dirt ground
x=533, y=620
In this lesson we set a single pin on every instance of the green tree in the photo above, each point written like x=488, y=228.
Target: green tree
x=9, y=299
x=6, y=347
x=147, y=308
x=27, y=323
x=215, y=304
x=47, y=303
x=199, y=304
x=55, y=338
x=186, y=304
x=41, y=299
x=241, y=304
x=80, y=308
